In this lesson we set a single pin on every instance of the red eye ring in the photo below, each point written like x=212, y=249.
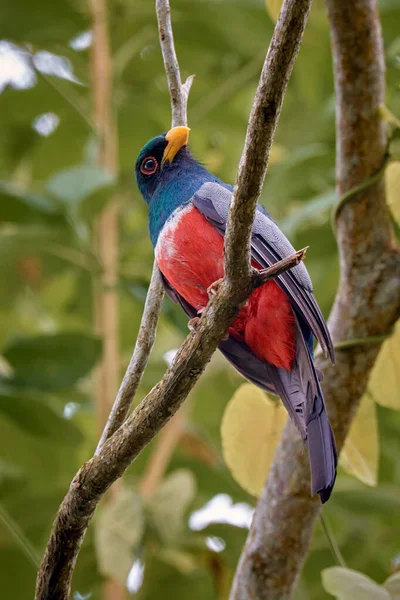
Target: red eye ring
x=149, y=165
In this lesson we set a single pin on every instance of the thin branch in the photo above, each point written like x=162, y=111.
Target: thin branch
x=261, y=277
x=179, y=93
x=144, y=344
x=334, y=548
x=264, y=116
x=106, y=226
x=20, y=538
x=366, y=306
x=105, y=238
x=118, y=452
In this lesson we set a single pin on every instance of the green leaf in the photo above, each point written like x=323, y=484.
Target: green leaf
x=185, y=562
x=313, y=213
x=52, y=362
x=384, y=382
x=392, y=177
x=9, y=471
x=169, y=503
x=392, y=585
x=17, y=241
x=45, y=22
x=250, y=430
x=18, y=206
x=360, y=453
x=39, y=419
x=346, y=584
x=118, y=531
x=82, y=183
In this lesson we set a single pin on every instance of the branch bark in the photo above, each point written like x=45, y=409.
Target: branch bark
x=367, y=304
x=264, y=116
x=178, y=92
x=118, y=452
x=143, y=347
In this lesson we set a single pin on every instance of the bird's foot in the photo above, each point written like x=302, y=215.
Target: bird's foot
x=212, y=289
x=193, y=323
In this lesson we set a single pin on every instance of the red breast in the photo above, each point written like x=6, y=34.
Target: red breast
x=190, y=254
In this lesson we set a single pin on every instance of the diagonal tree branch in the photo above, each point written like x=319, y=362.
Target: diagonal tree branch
x=367, y=304
x=179, y=92
x=118, y=452
x=264, y=117
x=143, y=347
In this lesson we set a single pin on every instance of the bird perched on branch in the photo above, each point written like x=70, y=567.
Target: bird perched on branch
x=271, y=340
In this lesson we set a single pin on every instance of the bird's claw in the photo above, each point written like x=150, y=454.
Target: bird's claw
x=193, y=323
x=212, y=289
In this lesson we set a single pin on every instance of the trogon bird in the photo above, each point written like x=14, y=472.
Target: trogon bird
x=271, y=340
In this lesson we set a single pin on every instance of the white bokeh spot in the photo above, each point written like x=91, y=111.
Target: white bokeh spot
x=221, y=509
x=82, y=41
x=46, y=124
x=135, y=578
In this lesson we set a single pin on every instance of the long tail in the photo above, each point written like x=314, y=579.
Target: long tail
x=321, y=451
x=301, y=394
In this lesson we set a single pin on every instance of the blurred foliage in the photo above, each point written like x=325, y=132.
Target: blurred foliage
x=346, y=584
x=50, y=192
x=251, y=428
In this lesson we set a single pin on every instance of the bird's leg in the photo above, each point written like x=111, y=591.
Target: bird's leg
x=213, y=288
x=194, y=321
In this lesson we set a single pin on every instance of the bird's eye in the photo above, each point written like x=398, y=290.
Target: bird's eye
x=149, y=165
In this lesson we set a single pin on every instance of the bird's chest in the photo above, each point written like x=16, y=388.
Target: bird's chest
x=190, y=254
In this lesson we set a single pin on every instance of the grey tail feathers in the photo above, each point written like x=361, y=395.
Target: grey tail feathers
x=301, y=394
x=321, y=451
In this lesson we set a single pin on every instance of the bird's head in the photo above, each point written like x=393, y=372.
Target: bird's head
x=161, y=159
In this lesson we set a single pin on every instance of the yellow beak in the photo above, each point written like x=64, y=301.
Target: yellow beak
x=177, y=137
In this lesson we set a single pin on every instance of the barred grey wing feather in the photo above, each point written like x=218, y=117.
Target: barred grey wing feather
x=268, y=246
x=298, y=388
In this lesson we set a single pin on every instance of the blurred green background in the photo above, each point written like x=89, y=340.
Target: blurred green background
x=51, y=191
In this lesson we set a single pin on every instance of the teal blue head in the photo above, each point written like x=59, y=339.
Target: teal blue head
x=167, y=176
x=160, y=160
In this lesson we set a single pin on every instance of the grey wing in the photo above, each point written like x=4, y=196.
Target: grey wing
x=298, y=388
x=268, y=246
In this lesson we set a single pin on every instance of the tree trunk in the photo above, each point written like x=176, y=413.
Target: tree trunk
x=367, y=304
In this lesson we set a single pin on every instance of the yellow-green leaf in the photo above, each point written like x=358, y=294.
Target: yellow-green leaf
x=384, y=383
x=360, y=454
x=184, y=562
x=169, y=503
x=346, y=584
x=392, y=585
x=273, y=8
x=251, y=428
x=393, y=189
x=118, y=529
x=387, y=115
